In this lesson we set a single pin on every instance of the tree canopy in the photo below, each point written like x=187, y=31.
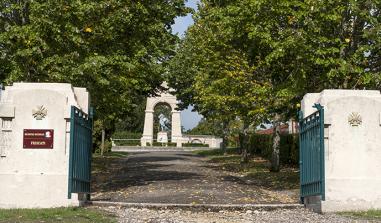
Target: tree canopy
x=253, y=60
x=252, y=57
x=118, y=50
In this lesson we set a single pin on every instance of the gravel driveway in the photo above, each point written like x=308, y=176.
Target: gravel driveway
x=185, y=178
x=178, y=177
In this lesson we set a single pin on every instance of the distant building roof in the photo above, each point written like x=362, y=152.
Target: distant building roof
x=284, y=129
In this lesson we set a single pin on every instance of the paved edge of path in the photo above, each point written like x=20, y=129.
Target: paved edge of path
x=200, y=207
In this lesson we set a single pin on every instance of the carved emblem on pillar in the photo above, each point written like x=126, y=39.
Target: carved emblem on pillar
x=40, y=112
x=355, y=119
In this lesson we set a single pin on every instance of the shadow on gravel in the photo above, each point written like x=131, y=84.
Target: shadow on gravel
x=257, y=174
x=176, y=177
x=270, y=181
x=188, y=155
x=110, y=175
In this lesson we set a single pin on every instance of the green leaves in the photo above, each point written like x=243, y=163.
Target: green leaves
x=116, y=49
x=254, y=58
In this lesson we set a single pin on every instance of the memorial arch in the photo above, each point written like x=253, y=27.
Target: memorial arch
x=176, y=135
x=171, y=101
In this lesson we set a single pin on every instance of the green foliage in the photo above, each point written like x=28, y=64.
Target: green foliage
x=126, y=135
x=289, y=147
x=170, y=144
x=127, y=142
x=134, y=121
x=261, y=145
x=118, y=50
x=97, y=135
x=206, y=127
x=255, y=58
x=65, y=215
x=371, y=215
x=173, y=144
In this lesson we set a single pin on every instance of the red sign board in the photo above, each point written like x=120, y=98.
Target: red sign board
x=38, y=138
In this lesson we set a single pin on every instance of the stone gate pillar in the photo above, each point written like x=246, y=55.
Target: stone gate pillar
x=176, y=128
x=352, y=149
x=148, y=128
x=35, y=144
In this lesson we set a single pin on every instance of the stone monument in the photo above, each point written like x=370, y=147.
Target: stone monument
x=176, y=134
x=167, y=98
x=162, y=137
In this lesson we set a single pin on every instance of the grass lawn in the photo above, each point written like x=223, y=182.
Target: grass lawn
x=257, y=170
x=70, y=215
x=363, y=215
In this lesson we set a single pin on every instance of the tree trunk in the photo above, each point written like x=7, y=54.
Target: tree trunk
x=224, y=137
x=103, y=142
x=275, y=166
x=240, y=143
x=244, y=143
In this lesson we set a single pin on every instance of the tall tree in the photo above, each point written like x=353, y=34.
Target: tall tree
x=214, y=76
x=255, y=59
x=117, y=49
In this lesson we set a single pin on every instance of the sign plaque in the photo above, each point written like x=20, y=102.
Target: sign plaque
x=38, y=138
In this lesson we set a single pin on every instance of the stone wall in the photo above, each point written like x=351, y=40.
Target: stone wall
x=212, y=141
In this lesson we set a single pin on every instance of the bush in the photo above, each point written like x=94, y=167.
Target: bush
x=194, y=145
x=261, y=145
x=126, y=135
x=127, y=142
x=289, y=147
x=217, y=152
x=107, y=147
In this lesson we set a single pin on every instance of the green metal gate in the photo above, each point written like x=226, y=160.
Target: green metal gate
x=311, y=139
x=81, y=129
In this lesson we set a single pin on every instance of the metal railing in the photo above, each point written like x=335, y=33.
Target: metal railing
x=312, y=177
x=81, y=128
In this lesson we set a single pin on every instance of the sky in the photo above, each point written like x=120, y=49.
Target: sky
x=182, y=23
x=189, y=119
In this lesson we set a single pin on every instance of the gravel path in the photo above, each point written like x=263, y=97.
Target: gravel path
x=178, y=177
x=184, y=178
x=134, y=215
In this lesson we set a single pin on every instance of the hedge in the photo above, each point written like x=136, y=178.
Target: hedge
x=289, y=147
x=127, y=142
x=127, y=135
x=194, y=145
